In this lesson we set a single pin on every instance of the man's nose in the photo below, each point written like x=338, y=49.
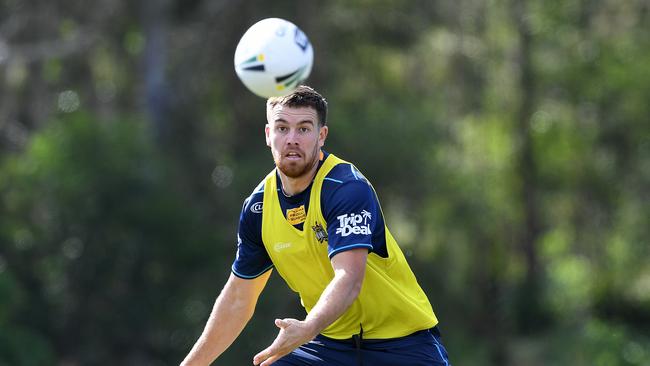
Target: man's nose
x=292, y=137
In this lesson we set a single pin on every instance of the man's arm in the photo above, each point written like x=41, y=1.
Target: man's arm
x=231, y=312
x=349, y=270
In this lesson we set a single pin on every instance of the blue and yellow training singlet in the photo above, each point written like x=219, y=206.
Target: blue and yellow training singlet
x=299, y=235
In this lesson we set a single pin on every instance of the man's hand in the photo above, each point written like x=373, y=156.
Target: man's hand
x=349, y=270
x=293, y=333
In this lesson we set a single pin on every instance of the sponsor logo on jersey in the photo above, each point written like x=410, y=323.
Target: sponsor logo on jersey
x=256, y=207
x=354, y=223
x=321, y=233
x=296, y=215
x=357, y=174
x=278, y=247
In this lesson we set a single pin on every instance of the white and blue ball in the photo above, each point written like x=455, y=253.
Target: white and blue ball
x=273, y=57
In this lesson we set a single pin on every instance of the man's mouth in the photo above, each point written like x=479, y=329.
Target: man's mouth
x=292, y=155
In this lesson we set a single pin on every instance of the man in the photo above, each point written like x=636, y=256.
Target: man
x=317, y=221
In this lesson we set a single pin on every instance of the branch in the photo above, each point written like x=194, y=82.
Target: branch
x=77, y=42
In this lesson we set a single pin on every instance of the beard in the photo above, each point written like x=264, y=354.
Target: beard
x=296, y=168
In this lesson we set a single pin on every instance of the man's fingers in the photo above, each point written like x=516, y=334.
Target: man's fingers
x=270, y=360
x=263, y=355
x=280, y=346
x=266, y=357
x=281, y=323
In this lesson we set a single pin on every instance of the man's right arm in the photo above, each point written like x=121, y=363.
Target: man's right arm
x=231, y=312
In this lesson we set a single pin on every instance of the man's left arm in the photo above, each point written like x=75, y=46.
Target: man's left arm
x=349, y=270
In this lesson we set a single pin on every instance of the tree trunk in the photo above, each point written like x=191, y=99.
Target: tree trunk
x=156, y=92
x=529, y=307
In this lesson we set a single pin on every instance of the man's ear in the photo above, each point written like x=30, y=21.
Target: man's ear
x=267, y=130
x=322, y=135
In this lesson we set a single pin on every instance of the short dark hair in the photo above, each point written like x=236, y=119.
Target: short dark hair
x=303, y=96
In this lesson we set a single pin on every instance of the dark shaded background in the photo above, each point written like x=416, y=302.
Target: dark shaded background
x=509, y=142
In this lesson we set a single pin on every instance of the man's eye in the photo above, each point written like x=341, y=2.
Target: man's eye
x=304, y=129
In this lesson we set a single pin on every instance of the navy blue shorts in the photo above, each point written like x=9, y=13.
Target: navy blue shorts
x=422, y=348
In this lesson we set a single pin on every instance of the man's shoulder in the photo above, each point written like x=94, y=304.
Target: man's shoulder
x=344, y=183
x=253, y=203
x=345, y=172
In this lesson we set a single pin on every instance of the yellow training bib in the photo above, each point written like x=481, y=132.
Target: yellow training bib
x=391, y=303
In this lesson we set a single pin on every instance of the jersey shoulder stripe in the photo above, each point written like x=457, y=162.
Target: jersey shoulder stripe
x=345, y=172
x=333, y=180
x=249, y=277
x=348, y=247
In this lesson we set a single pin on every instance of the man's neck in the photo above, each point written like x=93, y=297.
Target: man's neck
x=293, y=186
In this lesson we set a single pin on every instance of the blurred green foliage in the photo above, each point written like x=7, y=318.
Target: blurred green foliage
x=92, y=226
x=509, y=143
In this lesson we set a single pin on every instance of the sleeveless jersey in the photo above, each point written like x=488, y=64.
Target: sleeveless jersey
x=391, y=303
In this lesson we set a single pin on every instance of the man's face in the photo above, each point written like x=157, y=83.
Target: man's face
x=295, y=138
